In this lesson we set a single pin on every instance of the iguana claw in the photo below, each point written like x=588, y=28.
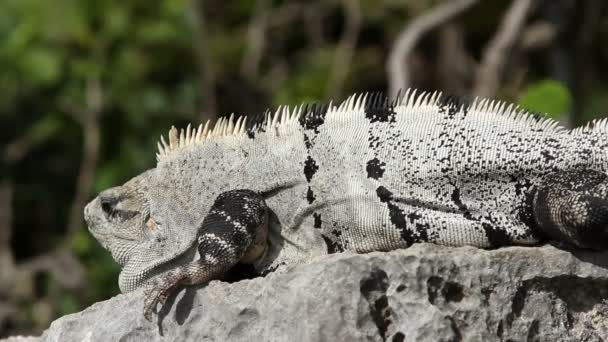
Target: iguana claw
x=159, y=292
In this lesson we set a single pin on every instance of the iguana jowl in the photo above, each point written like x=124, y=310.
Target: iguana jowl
x=365, y=175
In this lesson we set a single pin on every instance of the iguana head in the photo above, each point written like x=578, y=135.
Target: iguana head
x=120, y=218
x=153, y=219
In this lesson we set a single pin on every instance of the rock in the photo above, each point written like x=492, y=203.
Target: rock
x=424, y=293
x=20, y=339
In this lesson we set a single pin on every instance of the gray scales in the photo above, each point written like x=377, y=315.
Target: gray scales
x=366, y=175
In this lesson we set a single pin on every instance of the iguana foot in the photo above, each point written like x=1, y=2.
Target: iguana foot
x=234, y=230
x=572, y=206
x=159, y=291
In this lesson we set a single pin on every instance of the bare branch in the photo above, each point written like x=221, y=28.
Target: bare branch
x=313, y=24
x=7, y=263
x=204, y=63
x=497, y=52
x=61, y=263
x=6, y=200
x=256, y=40
x=17, y=149
x=397, y=72
x=266, y=18
x=538, y=36
x=346, y=49
x=89, y=120
x=454, y=64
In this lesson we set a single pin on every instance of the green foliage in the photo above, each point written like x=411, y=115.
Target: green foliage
x=145, y=58
x=547, y=97
x=307, y=83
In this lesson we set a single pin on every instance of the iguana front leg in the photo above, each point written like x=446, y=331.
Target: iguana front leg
x=234, y=230
x=572, y=207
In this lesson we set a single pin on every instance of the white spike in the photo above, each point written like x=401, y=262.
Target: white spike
x=188, y=134
x=217, y=128
x=237, y=125
x=360, y=103
x=277, y=114
x=412, y=98
x=162, y=141
x=199, y=131
x=284, y=115
x=268, y=120
x=205, y=130
x=173, y=140
x=344, y=105
x=243, y=125
x=182, y=138
x=230, y=125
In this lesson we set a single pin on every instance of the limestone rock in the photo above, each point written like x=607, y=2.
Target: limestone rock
x=423, y=293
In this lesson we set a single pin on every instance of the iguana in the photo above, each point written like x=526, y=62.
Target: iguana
x=366, y=175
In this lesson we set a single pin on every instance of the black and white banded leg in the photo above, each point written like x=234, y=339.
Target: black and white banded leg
x=234, y=230
x=572, y=207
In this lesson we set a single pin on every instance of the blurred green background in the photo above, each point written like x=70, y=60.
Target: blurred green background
x=87, y=87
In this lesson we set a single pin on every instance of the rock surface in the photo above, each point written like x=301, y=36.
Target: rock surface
x=424, y=293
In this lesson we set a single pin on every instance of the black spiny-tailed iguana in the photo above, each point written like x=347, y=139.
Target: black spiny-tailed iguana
x=365, y=175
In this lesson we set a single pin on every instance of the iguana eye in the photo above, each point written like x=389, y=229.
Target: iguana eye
x=108, y=205
x=111, y=207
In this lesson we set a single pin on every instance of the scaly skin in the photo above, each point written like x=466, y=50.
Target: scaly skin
x=367, y=175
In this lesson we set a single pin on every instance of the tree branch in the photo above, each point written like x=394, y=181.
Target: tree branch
x=7, y=263
x=204, y=63
x=346, y=49
x=397, y=72
x=454, y=64
x=256, y=40
x=89, y=119
x=498, y=50
x=539, y=35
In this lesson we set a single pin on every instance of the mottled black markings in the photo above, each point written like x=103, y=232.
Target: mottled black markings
x=413, y=217
x=313, y=116
x=457, y=200
x=310, y=168
x=310, y=195
x=307, y=142
x=524, y=190
x=547, y=155
x=447, y=290
x=398, y=218
x=318, y=223
x=497, y=236
x=379, y=109
x=333, y=246
x=256, y=123
x=312, y=119
x=398, y=337
x=375, y=169
x=384, y=194
x=373, y=288
x=454, y=104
